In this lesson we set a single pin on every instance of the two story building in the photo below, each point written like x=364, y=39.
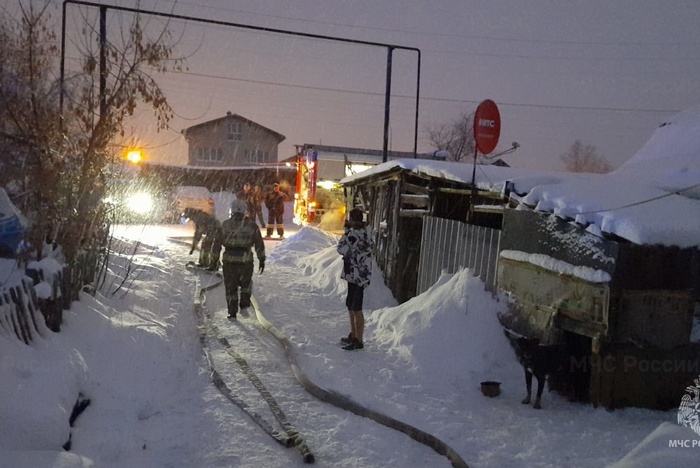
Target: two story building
x=223, y=154
x=230, y=141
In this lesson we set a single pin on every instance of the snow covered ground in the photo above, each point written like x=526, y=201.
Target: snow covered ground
x=134, y=351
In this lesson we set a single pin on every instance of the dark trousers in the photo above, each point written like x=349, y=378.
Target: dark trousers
x=258, y=216
x=238, y=282
x=275, y=218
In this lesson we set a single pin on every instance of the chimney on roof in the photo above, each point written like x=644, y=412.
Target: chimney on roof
x=228, y=112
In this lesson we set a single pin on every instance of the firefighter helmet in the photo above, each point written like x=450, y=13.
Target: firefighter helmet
x=238, y=206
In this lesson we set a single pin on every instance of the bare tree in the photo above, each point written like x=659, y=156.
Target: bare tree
x=456, y=137
x=583, y=158
x=64, y=156
x=30, y=121
x=132, y=57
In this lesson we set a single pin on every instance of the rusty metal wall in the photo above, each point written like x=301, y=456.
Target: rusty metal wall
x=448, y=245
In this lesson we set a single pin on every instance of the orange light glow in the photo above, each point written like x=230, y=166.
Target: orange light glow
x=134, y=156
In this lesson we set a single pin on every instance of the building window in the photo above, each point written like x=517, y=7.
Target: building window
x=255, y=156
x=233, y=131
x=210, y=154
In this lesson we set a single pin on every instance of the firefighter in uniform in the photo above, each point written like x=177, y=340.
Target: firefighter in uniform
x=274, y=201
x=209, y=227
x=256, y=200
x=239, y=235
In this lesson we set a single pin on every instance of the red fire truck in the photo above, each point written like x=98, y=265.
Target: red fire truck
x=305, y=195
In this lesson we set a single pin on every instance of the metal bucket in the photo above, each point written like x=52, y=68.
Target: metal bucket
x=490, y=388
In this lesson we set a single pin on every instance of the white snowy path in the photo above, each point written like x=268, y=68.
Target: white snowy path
x=332, y=434
x=139, y=359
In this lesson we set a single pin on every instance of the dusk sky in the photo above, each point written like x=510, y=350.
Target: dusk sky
x=603, y=72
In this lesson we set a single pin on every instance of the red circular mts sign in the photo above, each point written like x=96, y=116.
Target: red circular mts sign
x=487, y=126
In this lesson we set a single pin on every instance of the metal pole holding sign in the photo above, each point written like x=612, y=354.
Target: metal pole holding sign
x=487, y=130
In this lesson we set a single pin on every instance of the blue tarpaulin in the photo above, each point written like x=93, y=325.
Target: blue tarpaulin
x=12, y=225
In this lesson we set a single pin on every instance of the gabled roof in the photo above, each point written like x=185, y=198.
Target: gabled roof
x=229, y=116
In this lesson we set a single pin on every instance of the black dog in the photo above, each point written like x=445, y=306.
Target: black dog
x=538, y=360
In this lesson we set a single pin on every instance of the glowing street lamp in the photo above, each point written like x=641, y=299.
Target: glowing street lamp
x=134, y=156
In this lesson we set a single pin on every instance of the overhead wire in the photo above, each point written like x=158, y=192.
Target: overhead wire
x=422, y=98
x=641, y=202
x=437, y=33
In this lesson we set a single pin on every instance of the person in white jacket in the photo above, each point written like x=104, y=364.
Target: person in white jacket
x=356, y=247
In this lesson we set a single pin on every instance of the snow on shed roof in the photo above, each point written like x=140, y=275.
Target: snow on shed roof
x=488, y=177
x=654, y=198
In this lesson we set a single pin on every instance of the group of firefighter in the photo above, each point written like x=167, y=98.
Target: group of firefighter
x=239, y=235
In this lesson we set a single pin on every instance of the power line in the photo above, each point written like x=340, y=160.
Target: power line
x=547, y=106
x=641, y=202
x=423, y=98
x=560, y=57
x=442, y=34
x=630, y=205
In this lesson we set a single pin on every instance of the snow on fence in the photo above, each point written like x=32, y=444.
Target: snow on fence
x=35, y=305
x=18, y=312
x=448, y=245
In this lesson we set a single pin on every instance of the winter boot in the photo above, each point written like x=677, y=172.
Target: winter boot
x=356, y=344
x=347, y=339
x=232, y=310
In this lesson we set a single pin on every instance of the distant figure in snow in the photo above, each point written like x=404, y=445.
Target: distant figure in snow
x=274, y=201
x=255, y=205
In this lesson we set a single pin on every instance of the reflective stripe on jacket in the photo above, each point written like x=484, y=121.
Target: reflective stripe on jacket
x=239, y=235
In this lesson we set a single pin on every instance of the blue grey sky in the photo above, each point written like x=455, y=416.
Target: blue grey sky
x=606, y=72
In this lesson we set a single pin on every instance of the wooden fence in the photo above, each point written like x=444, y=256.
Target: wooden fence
x=25, y=315
x=18, y=312
x=448, y=245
